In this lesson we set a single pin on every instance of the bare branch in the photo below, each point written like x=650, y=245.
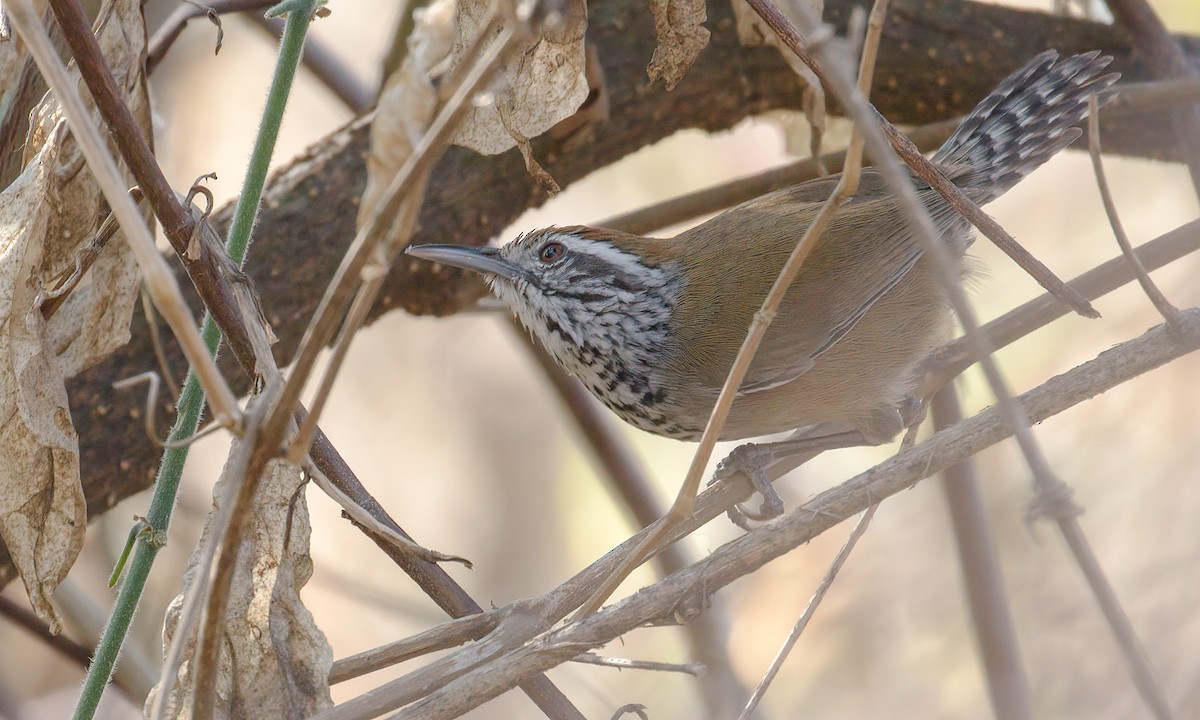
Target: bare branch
x=169, y=31
x=1160, y=302
x=983, y=583
x=746, y=554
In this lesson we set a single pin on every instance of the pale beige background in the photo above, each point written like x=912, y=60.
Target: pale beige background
x=451, y=427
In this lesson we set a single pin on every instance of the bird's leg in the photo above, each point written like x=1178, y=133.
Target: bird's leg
x=762, y=462
x=755, y=461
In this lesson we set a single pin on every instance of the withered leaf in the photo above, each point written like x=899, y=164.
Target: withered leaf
x=47, y=216
x=42, y=511
x=407, y=102
x=678, y=25
x=94, y=319
x=275, y=661
x=544, y=79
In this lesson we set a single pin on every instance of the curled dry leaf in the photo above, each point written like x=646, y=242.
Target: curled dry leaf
x=678, y=24
x=542, y=83
x=42, y=511
x=49, y=216
x=407, y=102
x=94, y=319
x=543, y=79
x=274, y=661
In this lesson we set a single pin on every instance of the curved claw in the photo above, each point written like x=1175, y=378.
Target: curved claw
x=751, y=460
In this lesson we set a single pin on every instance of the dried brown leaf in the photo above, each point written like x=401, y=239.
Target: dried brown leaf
x=275, y=661
x=407, y=102
x=48, y=216
x=94, y=319
x=681, y=36
x=42, y=511
x=543, y=79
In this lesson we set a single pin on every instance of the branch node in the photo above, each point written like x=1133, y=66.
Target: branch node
x=1055, y=500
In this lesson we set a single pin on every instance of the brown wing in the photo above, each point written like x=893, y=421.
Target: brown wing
x=863, y=253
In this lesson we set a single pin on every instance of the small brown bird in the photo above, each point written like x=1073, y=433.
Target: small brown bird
x=651, y=326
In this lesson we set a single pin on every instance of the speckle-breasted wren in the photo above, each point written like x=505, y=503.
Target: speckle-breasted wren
x=651, y=326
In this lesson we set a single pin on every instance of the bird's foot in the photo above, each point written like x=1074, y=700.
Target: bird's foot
x=762, y=463
x=752, y=461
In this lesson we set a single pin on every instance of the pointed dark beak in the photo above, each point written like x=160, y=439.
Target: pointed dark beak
x=484, y=260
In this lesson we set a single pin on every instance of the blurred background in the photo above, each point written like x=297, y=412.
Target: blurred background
x=453, y=428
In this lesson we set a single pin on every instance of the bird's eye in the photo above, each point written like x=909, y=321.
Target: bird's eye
x=552, y=252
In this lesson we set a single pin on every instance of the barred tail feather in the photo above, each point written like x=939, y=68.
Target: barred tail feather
x=1026, y=120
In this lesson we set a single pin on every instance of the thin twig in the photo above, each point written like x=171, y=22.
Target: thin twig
x=153, y=383
x=84, y=259
x=693, y=669
x=1164, y=307
x=802, y=622
x=983, y=580
x=630, y=709
x=1132, y=651
x=446, y=635
x=702, y=202
x=853, y=166
x=356, y=317
x=991, y=229
x=169, y=31
x=156, y=342
x=949, y=361
x=360, y=516
x=159, y=279
x=1138, y=98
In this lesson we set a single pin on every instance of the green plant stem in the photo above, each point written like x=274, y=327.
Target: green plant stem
x=191, y=398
